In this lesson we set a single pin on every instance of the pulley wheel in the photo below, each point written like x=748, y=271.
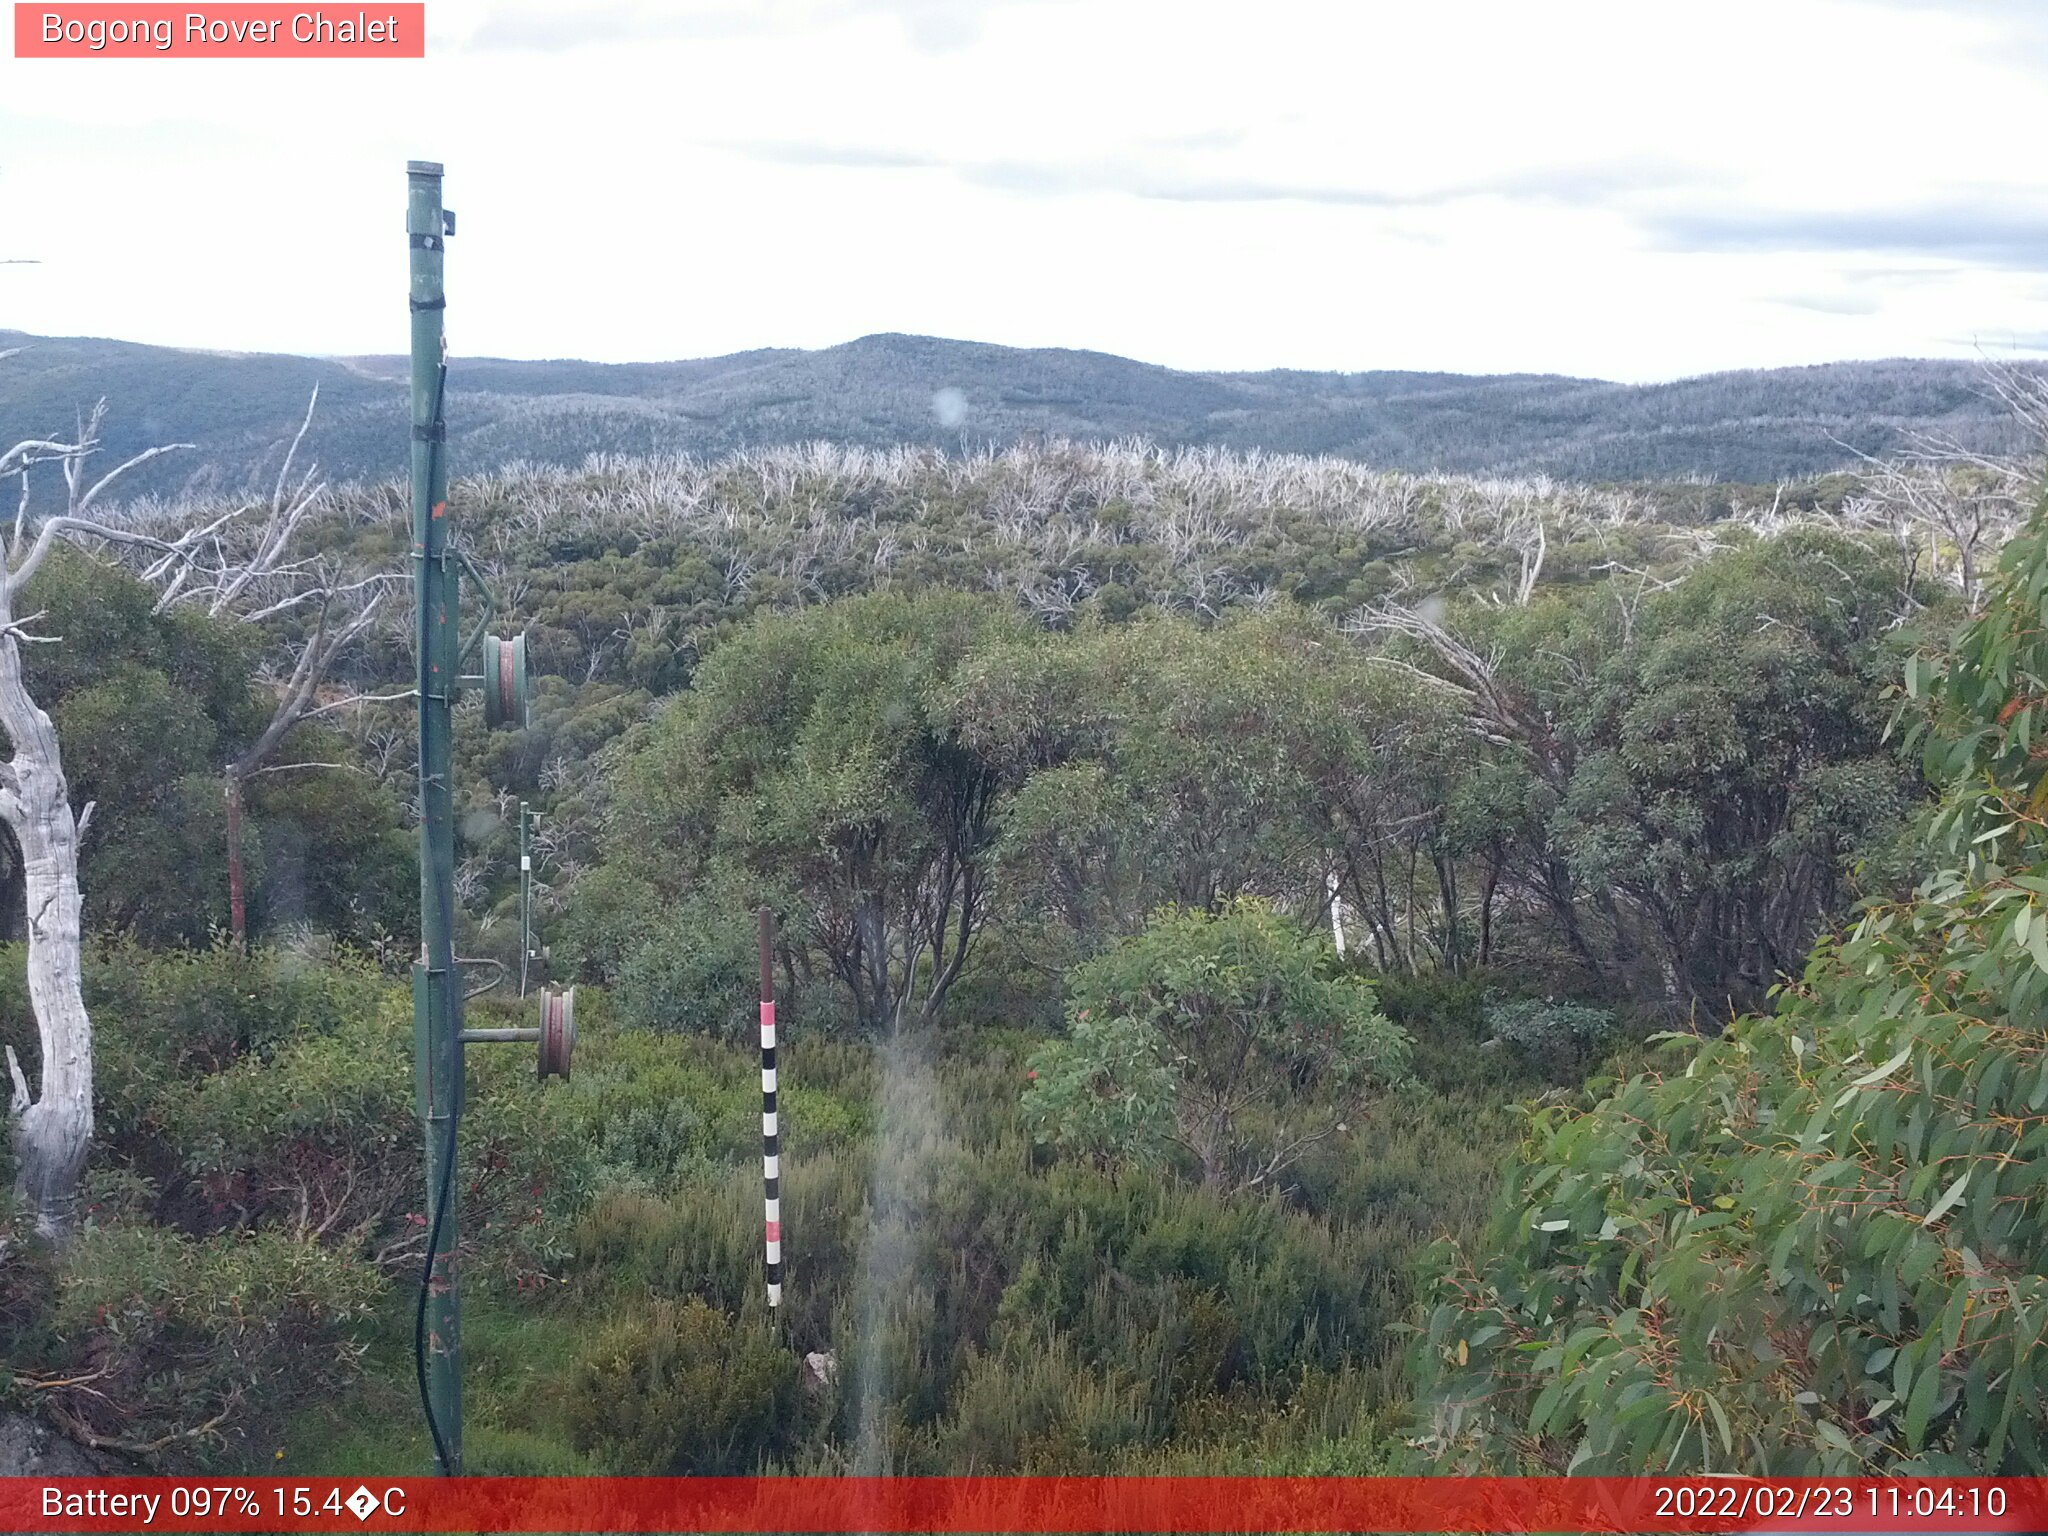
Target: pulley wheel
x=557, y=1031
x=505, y=681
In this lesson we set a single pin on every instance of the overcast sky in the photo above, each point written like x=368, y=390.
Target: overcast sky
x=1630, y=190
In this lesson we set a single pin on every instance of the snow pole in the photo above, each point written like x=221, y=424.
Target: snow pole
x=771, y=1133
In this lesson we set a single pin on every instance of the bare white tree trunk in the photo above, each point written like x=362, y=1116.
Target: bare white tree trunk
x=52, y=1126
x=52, y=1130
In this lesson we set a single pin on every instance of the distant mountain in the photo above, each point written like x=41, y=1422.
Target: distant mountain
x=1755, y=426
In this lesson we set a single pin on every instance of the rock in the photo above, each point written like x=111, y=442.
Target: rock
x=30, y=1448
x=819, y=1370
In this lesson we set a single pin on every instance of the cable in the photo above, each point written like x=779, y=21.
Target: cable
x=419, y=1327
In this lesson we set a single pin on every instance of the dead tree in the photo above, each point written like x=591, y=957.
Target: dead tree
x=254, y=572
x=53, y=1123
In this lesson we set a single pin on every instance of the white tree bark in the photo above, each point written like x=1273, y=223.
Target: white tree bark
x=53, y=1124
x=52, y=1130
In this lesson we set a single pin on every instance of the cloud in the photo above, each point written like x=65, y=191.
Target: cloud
x=553, y=28
x=1160, y=184
x=1167, y=176
x=2000, y=236
x=933, y=26
x=938, y=26
x=1897, y=275
x=2008, y=32
x=1203, y=140
x=1829, y=303
x=1994, y=340
x=1056, y=179
x=838, y=156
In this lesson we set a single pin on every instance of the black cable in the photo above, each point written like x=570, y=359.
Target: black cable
x=419, y=1327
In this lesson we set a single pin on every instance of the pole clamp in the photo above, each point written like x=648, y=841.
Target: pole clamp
x=426, y=242
x=420, y=304
x=437, y=432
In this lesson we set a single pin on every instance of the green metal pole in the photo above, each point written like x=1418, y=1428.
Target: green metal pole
x=437, y=991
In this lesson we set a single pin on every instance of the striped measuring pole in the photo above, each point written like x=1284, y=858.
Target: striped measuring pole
x=771, y=1134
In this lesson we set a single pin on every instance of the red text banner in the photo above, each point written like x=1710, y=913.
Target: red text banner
x=230, y=31
x=1020, y=1504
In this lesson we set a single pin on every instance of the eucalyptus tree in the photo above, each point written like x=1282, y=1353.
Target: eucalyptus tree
x=1697, y=767
x=815, y=763
x=1164, y=762
x=1815, y=1245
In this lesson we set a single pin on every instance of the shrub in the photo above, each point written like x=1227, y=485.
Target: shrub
x=262, y=1091
x=189, y=1344
x=1184, y=1036
x=1032, y=1405
x=1557, y=1038
x=682, y=1389
x=696, y=970
x=1445, y=1016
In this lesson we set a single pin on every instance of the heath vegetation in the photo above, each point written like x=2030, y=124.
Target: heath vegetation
x=1283, y=966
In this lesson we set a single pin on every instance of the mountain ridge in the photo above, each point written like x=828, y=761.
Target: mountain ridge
x=238, y=408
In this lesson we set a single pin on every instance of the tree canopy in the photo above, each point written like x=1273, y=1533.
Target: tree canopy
x=1817, y=1246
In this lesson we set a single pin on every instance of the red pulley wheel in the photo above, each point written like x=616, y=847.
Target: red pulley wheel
x=504, y=681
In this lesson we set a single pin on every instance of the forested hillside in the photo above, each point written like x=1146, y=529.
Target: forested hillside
x=1063, y=768
x=1756, y=427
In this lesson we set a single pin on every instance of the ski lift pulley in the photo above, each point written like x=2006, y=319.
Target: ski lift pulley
x=504, y=681
x=557, y=1031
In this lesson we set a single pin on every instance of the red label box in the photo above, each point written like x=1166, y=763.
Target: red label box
x=231, y=31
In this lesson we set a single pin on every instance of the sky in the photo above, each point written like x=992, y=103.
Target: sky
x=1631, y=190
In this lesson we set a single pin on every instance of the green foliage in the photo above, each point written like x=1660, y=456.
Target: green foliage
x=144, y=705
x=652, y=1109
x=1710, y=760
x=815, y=757
x=265, y=1091
x=984, y=799
x=194, y=1343
x=1818, y=1248
x=683, y=1389
x=1164, y=762
x=1105, y=1092
x=148, y=708
x=1288, y=741
x=331, y=849
x=696, y=969
x=1227, y=1038
x=988, y=1311
x=1690, y=730
x=1444, y=1017
x=1556, y=1036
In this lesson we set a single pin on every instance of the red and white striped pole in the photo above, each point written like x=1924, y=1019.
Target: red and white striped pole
x=771, y=1136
